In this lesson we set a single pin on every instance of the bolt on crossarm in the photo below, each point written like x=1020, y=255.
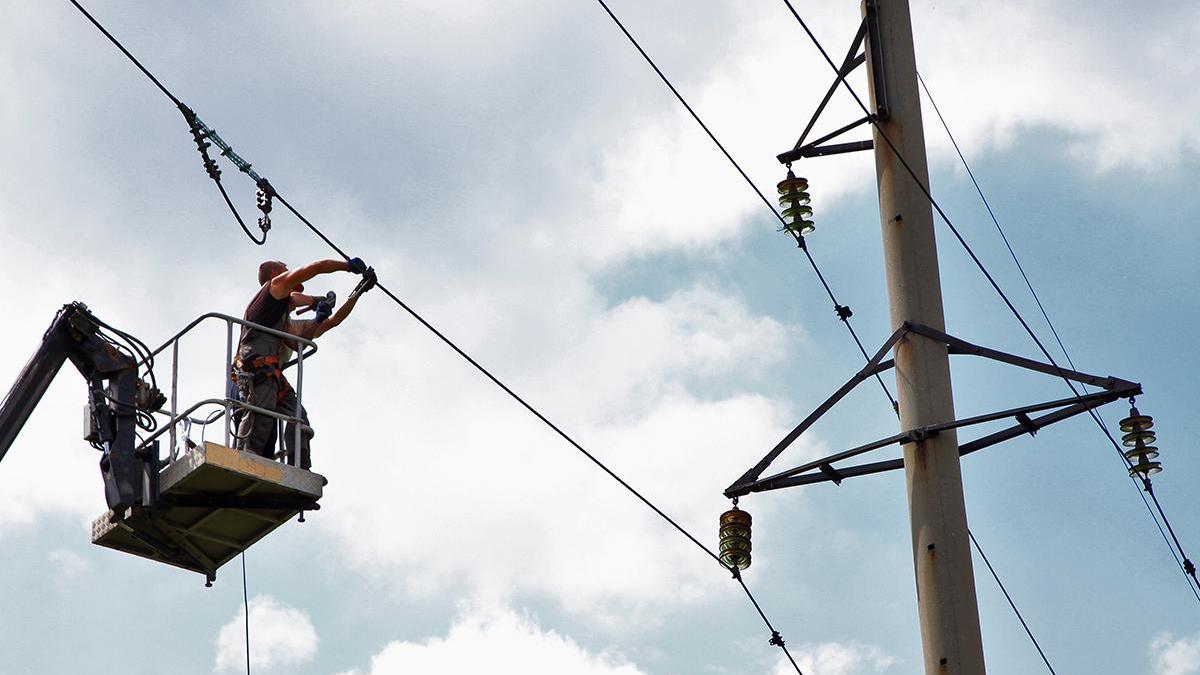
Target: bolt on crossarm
x=949, y=615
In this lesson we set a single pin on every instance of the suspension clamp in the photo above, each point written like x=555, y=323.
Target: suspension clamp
x=266, y=193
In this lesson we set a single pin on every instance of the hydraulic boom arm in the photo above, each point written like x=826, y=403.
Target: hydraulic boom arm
x=76, y=334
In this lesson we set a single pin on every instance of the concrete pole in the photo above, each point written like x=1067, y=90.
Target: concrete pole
x=941, y=549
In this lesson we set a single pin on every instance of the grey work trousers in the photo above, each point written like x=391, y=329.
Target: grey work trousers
x=257, y=433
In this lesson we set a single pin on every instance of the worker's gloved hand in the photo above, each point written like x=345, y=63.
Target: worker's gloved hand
x=324, y=306
x=357, y=265
x=367, y=283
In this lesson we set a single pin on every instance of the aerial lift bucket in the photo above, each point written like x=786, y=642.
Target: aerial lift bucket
x=213, y=503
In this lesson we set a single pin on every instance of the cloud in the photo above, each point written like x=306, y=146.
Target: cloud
x=496, y=641
x=837, y=658
x=656, y=389
x=1175, y=656
x=1085, y=71
x=68, y=565
x=280, y=636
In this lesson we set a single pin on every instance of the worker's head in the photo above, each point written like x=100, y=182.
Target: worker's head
x=269, y=270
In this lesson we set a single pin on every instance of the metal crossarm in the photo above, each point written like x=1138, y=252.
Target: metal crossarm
x=823, y=469
x=868, y=28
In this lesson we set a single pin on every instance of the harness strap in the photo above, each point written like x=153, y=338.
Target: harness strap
x=268, y=365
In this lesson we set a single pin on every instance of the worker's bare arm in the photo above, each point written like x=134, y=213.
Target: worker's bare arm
x=303, y=300
x=282, y=285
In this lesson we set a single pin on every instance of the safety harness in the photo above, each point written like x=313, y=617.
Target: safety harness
x=268, y=366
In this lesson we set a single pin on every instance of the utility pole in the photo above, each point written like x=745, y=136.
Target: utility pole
x=946, y=601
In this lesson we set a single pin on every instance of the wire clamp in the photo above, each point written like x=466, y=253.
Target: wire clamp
x=265, y=195
x=776, y=639
x=843, y=312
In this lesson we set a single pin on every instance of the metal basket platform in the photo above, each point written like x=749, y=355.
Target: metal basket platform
x=214, y=502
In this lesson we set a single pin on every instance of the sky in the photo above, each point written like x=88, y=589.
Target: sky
x=518, y=175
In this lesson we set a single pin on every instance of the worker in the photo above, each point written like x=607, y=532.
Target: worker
x=257, y=369
x=311, y=329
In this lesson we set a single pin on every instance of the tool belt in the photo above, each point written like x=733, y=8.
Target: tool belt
x=262, y=366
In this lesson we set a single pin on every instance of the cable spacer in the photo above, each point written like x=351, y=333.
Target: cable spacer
x=843, y=311
x=776, y=639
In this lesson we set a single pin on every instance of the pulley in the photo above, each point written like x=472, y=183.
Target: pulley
x=1139, y=439
x=794, y=199
x=735, y=538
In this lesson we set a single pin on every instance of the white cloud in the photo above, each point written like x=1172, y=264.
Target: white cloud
x=624, y=382
x=496, y=641
x=280, y=636
x=1172, y=655
x=666, y=187
x=68, y=565
x=837, y=658
x=1089, y=74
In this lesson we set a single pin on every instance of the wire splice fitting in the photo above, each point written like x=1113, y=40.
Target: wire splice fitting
x=199, y=135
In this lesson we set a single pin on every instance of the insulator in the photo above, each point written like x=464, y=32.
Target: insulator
x=1137, y=421
x=1145, y=468
x=794, y=199
x=1148, y=451
x=1138, y=438
x=735, y=538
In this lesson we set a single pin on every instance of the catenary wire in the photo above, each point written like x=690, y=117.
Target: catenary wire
x=1009, y=598
x=1185, y=563
x=124, y=51
x=761, y=196
x=775, y=640
x=1188, y=568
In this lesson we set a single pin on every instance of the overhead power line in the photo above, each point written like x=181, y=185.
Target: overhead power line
x=1185, y=564
x=776, y=638
x=841, y=310
x=1189, y=569
x=1011, y=603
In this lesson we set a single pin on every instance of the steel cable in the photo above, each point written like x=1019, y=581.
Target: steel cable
x=775, y=639
x=1183, y=564
x=1008, y=597
x=761, y=196
x=1190, y=576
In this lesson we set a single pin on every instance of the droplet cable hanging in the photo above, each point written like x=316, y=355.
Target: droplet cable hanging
x=201, y=134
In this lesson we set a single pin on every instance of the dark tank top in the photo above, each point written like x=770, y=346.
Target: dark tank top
x=263, y=310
